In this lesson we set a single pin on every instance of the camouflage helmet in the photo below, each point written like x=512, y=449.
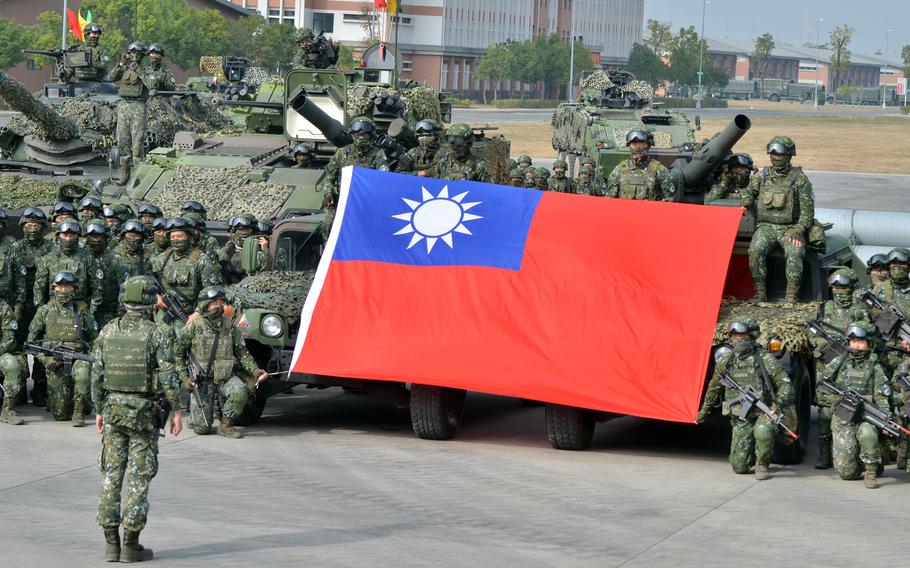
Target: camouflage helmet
x=586, y=170
x=32, y=215
x=241, y=221
x=156, y=48
x=150, y=210
x=782, y=145
x=362, y=124
x=542, y=173
x=138, y=292
x=136, y=46
x=209, y=294
x=744, y=325
x=859, y=330
x=303, y=150
x=159, y=224
x=197, y=219
x=64, y=278
x=95, y=227
x=639, y=136
x=304, y=34
x=744, y=160
x=843, y=278
x=63, y=208
x=560, y=164
x=899, y=255
x=192, y=205
x=589, y=160
x=118, y=210
x=264, y=227
x=461, y=130
x=180, y=224
x=133, y=226
x=92, y=27
x=90, y=202
x=516, y=174
x=427, y=126
x=524, y=159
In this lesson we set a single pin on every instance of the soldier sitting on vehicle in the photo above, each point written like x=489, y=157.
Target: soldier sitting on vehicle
x=419, y=160
x=734, y=178
x=641, y=176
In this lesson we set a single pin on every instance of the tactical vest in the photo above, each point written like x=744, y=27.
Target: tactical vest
x=453, y=169
x=204, y=339
x=131, y=86
x=66, y=323
x=128, y=364
x=638, y=183
x=106, y=281
x=563, y=185
x=182, y=276
x=777, y=200
x=747, y=374
x=93, y=71
x=837, y=316
x=78, y=264
x=423, y=159
x=858, y=378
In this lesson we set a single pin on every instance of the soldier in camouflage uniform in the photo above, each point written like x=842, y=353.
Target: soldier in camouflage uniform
x=359, y=153
x=641, y=176
x=110, y=272
x=147, y=213
x=459, y=162
x=63, y=211
x=133, y=365
x=516, y=178
x=749, y=365
x=879, y=274
x=66, y=322
x=856, y=445
x=541, y=178
x=131, y=250
x=197, y=213
x=530, y=178
x=164, y=79
x=90, y=208
x=11, y=365
x=733, y=180
x=96, y=56
x=315, y=52
x=583, y=184
x=598, y=183
x=68, y=256
x=183, y=270
x=160, y=241
x=8, y=273
x=230, y=255
x=136, y=80
x=25, y=255
x=114, y=217
x=559, y=182
x=264, y=234
x=837, y=314
x=785, y=209
x=303, y=156
x=420, y=160
x=212, y=346
x=897, y=289
x=524, y=162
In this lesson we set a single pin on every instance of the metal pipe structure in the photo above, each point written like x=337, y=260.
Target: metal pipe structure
x=817, y=29
x=701, y=45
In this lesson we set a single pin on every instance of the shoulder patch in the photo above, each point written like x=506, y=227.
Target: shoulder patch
x=99, y=274
x=23, y=270
x=13, y=325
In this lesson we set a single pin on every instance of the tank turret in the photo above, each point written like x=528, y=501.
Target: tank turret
x=51, y=125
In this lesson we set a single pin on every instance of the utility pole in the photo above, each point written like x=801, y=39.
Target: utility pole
x=884, y=67
x=65, y=19
x=818, y=23
x=570, y=93
x=701, y=45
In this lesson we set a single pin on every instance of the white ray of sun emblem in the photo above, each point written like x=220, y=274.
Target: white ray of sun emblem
x=436, y=218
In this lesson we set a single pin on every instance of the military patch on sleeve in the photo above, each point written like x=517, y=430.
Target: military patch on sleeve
x=13, y=325
x=23, y=270
x=886, y=390
x=213, y=279
x=100, y=274
x=672, y=188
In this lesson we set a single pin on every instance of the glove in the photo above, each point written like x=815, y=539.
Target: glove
x=700, y=417
x=17, y=313
x=187, y=383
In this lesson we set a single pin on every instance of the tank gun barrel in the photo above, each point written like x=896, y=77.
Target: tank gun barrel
x=692, y=174
x=333, y=130
x=51, y=125
x=253, y=104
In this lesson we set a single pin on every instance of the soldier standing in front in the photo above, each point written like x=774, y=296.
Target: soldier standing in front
x=133, y=364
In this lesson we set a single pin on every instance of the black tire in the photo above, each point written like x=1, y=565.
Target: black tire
x=436, y=411
x=774, y=98
x=793, y=453
x=252, y=412
x=569, y=427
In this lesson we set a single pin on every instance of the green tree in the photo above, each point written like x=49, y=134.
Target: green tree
x=583, y=61
x=13, y=37
x=274, y=47
x=764, y=45
x=905, y=55
x=493, y=67
x=647, y=65
x=840, y=55
x=346, y=59
x=659, y=36
x=527, y=64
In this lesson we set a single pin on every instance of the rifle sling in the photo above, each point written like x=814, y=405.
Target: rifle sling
x=765, y=377
x=211, y=361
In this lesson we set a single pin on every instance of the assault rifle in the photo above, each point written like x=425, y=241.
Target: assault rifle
x=890, y=320
x=195, y=369
x=171, y=301
x=64, y=355
x=853, y=409
x=836, y=342
x=749, y=399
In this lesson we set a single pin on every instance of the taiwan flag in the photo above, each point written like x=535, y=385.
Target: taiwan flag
x=606, y=304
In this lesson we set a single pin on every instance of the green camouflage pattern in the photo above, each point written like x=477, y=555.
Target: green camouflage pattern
x=469, y=167
x=9, y=275
x=765, y=237
x=418, y=161
x=234, y=393
x=132, y=123
x=650, y=180
x=560, y=183
x=137, y=262
x=98, y=59
x=185, y=274
x=81, y=263
x=110, y=273
x=10, y=364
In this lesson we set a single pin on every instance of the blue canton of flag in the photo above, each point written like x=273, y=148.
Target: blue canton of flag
x=402, y=219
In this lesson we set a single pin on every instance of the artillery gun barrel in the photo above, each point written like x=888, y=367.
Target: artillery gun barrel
x=703, y=162
x=333, y=130
x=19, y=99
x=253, y=104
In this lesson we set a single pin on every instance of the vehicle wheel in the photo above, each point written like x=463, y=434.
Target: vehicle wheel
x=774, y=98
x=436, y=411
x=793, y=453
x=253, y=412
x=569, y=427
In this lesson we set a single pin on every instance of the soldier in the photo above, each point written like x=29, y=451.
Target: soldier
x=303, y=156
x=26, y=254
x=96, y=56
x=879, y=274
x=8, y=272
x=530, y=178
x=241, y=227
x=785, y=210
x=132, y=114
x=837, y=314
x=524, y=162
x=67, y=322
x=750, y=366
x=183, y=270
x=583, y=184
x=131, y=249
x=559, y=182
x=420, y=160
x=315, y=52
x=459, y=162
x=541, y=178
x=598, y=183
x=133, y=365
x=160, y=241
x=63, y=211
x=733, y=180
x=360, y=153
x=164, y=79
x=197, y=213
x=264, y=230
x=147, y=215
x=208, y=349
x=641, y=176
x=897, y=290
x=90, y=208
x=516, y=178
x=110, y=272
x=68, y=256
x=11, y=365
x=858, y=444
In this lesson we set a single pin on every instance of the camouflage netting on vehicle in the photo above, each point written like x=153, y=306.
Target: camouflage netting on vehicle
x=168, y=117
x=223, y=191
x=24, y=191
x=598, y=81
x=495, y=151
x=783, y=320
x=256, y=76
x=421, y=103
x=640, y=88
x=569, y=124
x=281, y=291
x=212, y=65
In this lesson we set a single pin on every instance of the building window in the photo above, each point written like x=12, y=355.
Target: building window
x=349, y=18
x=289, y=14
x=274, y=13
x=405, y=20
x=324, y=21
x=407, y=65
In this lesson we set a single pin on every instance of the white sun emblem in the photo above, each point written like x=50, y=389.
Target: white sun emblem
x=436, y=218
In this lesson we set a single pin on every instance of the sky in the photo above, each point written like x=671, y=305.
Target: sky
x=793, y=21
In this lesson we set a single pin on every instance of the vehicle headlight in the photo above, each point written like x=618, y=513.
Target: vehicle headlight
x=271, y=326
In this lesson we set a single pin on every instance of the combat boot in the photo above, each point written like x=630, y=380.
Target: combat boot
x=78, y=414
x=226, y=429
x=9, y=415
x=790, y=296
x=761, y=472
x=132, y=550
x=824, y=456
x=112, y=550
x=871, y=476
x=902, y=456
x=761, y=293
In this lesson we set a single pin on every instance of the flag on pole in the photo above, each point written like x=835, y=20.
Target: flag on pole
x=607, y=304
x=86, y=20
x=75, y=28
